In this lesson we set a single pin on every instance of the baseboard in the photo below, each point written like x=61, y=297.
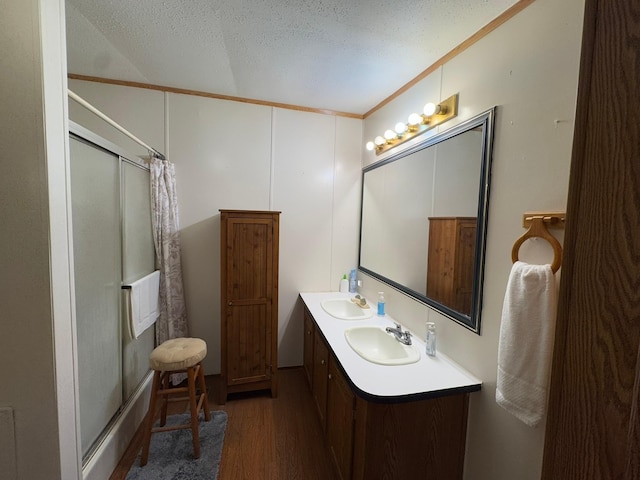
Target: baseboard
x=106, y=457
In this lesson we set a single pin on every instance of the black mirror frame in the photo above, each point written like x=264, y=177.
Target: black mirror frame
x=486, y=121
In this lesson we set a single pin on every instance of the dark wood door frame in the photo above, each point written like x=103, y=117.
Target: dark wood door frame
x=592, y=427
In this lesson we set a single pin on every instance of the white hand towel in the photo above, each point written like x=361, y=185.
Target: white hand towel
x=143, y=306
x=527, y=334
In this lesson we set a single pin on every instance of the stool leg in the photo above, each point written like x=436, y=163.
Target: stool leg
x=165, y=398
x=191, y=372
x=150, y=418
x=203, y=389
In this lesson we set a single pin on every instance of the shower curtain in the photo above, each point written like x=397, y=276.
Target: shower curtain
x=172, y=322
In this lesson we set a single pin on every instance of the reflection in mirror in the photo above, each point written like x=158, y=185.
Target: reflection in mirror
x=424, y=215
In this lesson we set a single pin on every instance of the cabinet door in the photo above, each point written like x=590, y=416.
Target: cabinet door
x=249, y=287
x=320, y=376
x=465, y=262
x=248, y=353
x=441, y=260
x=451, y=261
x=340, y=420
x=308, y=347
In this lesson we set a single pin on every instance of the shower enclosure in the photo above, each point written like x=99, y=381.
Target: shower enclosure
x=112, y=246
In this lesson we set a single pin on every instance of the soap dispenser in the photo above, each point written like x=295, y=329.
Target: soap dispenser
x=430, y=340
x=381, y=304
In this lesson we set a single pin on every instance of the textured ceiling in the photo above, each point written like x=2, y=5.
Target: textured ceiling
x=343, y=55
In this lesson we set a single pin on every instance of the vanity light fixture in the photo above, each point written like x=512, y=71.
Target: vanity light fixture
x=414, y=120
x=431, y=109
x=432, y=116
x=400, y=128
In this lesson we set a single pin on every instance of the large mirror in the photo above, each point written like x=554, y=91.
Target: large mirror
x=424, y=219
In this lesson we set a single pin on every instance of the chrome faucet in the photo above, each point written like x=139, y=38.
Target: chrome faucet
x=402, y=337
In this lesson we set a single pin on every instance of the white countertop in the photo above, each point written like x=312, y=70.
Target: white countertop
x=429, y=377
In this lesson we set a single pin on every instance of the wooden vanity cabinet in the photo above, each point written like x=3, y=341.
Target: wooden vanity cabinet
x=249, y=301
x=423, y=438
x=451, y=261
x=417, y=439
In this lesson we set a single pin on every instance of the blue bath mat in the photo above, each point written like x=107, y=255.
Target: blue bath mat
x=171, y=453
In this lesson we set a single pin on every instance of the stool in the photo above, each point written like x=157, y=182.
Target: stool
x=175, y=356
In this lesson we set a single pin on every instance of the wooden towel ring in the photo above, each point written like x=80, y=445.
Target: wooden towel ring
x=539, y=229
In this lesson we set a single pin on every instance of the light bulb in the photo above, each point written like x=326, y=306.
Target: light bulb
x=389, y=134
x=431, y=109
x=379, y=140
x=370, y=146
x=401, y=128
x=414, y=119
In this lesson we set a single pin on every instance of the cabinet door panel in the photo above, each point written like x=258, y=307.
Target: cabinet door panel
x=248, y=352
x=451, y=261
x=340, y=420
x=249, y=259
x=308, y=347
x=320, y=376
x=465, y=261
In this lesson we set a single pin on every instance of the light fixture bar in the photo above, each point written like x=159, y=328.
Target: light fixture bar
x=445, y=111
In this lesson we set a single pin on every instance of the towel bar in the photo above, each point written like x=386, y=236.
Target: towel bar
x=537, y=223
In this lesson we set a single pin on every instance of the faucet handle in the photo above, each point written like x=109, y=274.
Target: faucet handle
x=398, y=326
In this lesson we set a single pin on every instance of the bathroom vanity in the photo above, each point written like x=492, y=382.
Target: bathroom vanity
x=384, y=421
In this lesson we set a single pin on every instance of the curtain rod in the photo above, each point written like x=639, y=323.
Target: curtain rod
x=152, y=151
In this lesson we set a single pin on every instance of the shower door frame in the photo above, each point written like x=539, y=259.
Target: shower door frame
x=121, y=156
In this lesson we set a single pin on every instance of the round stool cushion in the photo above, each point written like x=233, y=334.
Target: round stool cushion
x=178, y=354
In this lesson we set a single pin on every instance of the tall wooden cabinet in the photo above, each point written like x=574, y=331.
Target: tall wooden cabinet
x=450, y=261
x=249, y=301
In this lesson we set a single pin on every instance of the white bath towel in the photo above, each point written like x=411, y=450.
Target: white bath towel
x=527, y=334
x=143, y=303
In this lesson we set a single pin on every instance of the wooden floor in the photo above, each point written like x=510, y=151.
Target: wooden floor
x=266, y=438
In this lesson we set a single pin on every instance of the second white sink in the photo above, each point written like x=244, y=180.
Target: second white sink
x=376, y=345
x=345, y=309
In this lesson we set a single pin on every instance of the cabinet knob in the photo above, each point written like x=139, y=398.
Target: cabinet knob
x=308, y=332
x=230, y=303
x=330, y=377
x=322, y=362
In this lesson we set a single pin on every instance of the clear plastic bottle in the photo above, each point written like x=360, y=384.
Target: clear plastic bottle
x=352, y=281
x=430, y=339
x=381, y=304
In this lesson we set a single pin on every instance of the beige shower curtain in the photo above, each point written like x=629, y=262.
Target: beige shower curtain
x=172, y=322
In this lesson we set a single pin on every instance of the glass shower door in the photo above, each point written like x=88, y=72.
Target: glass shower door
x=95, y=181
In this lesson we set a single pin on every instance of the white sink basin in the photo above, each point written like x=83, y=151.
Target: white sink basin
x=345, y=309
x=376, y=345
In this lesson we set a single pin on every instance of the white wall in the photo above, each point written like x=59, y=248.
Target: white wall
x=38, y=428
x=233, y=155
x=139, y=111
x=528, y=67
